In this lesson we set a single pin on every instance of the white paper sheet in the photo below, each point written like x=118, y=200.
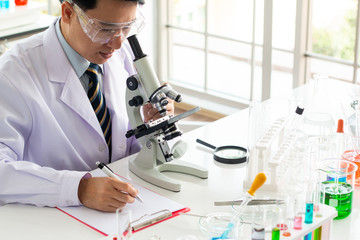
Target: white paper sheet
x=106, y=222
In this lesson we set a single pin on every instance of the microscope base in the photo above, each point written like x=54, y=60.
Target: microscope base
x=154, y=175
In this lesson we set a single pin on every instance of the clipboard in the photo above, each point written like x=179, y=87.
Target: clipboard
x=154, y=210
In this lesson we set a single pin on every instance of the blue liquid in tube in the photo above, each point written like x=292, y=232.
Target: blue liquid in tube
x=309, y=212
x=4, y=4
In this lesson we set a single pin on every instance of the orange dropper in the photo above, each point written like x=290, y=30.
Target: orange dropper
x=259, y=180
x=257, y=183
x=340, y=126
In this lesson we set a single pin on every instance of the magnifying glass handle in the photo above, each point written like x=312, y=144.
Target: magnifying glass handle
x=205, y=143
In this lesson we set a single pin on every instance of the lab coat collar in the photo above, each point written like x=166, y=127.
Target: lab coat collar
x=59, y=66
x=61, y=71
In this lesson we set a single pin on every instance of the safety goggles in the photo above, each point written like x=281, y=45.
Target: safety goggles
x=104, y=32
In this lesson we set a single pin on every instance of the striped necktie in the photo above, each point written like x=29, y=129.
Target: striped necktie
x=98, y=103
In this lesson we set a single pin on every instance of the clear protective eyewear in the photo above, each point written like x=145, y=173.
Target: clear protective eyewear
x=103, y=32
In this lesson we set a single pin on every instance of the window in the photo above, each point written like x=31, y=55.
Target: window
x=235, y=51
x=215, y=48
x=333, y=39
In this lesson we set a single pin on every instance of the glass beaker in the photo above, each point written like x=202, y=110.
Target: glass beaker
x=337, y=179
x=124, y=224
x=221, y=225
x=318, y=124
x=352, y=147
x=317, y=148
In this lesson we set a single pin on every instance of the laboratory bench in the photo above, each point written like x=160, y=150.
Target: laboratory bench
x=224, y=182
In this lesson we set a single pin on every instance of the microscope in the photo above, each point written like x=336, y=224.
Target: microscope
x=155, y=156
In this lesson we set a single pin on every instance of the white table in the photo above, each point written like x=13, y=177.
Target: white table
x=225, y=182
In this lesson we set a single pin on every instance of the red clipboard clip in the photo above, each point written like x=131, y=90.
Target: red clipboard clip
x=149, y=219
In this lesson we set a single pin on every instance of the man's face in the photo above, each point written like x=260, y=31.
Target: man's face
x=112, y=11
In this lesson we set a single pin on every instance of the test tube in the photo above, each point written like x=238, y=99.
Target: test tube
x=309, y=212
x=340, y=139
x=298, y=222
x=297, y=215
x=5, y=4
x=275, y=234
x=124, y=219
x=295, y=120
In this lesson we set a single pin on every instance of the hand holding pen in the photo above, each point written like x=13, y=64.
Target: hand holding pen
x=111, y=173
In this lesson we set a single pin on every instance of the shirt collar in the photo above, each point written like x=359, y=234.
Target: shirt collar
x=79, y=63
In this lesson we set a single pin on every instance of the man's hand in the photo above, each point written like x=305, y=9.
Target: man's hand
x=151, y=113
x=105, y=193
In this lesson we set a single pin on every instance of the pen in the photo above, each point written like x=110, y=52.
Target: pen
x=111, y=173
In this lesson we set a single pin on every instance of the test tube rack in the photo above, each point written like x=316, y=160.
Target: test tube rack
x=319, y=229
x=272, y=153
x=260, y=156
x=283, y=160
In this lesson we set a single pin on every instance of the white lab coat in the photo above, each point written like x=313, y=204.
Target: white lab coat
x=49, y=134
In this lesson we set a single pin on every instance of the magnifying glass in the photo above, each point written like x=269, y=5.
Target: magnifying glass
x=227, y=154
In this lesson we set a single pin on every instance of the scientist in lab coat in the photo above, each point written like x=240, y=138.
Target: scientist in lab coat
x=50, y=136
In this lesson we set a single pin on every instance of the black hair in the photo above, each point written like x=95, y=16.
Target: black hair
x=91, y=4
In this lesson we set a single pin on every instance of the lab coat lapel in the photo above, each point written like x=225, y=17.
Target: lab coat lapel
x=61, y=72
x=74, y=96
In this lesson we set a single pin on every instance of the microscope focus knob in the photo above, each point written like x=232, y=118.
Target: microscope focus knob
x=132, y=83
x=164, y=102
x=136, y=101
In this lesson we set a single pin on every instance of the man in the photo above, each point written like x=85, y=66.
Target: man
x=51, y=133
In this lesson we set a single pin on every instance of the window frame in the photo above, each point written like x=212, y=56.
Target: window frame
x=301, y=53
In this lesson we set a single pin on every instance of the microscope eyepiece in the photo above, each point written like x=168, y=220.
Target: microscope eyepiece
x=135, y=47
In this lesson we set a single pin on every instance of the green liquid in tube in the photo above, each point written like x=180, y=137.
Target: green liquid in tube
x=275, y=235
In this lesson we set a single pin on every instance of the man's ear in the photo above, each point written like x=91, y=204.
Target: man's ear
x=66, y=12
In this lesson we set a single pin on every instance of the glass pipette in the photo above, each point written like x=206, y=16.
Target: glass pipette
x=257, y=183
